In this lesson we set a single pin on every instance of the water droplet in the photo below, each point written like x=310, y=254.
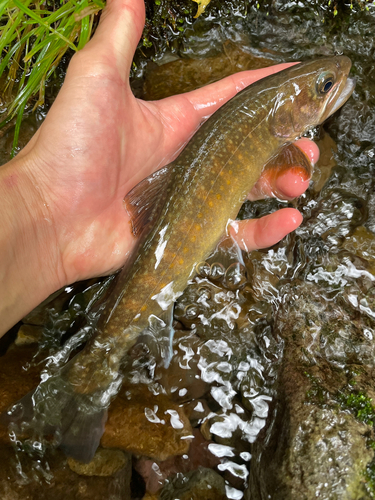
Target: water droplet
x=217, y=271
x=235, y=276
x=203, y=269
x=191, y=311
x=204, y=292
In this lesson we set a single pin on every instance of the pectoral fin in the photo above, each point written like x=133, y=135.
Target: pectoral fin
x=290, y=156
x=145, y=201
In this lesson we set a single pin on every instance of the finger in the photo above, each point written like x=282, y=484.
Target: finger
x=310, y=148
x=182, y=114
x=116, y=37
x=291, y=182
x=254, y=234
x=209, y=98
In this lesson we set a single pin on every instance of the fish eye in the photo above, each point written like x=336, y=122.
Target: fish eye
x=325, y=83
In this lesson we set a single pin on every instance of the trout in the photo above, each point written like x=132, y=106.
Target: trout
x=178, y=216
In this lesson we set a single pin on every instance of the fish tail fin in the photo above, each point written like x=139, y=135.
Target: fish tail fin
x=55, y=415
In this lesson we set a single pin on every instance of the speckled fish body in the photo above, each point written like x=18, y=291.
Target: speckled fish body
x=179, y=214
x=207, y=184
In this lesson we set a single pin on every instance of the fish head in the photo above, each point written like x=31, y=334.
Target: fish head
x=310, y=93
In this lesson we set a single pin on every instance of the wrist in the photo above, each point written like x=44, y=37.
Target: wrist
x=29, y=268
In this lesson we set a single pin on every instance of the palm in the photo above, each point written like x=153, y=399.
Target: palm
x=98, y=141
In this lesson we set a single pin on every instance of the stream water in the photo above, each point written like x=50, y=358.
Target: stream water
x=270, y=391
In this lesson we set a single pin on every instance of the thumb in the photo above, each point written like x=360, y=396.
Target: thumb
x=117, y=35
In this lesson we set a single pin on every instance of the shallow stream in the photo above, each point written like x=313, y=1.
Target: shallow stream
x=270, y=391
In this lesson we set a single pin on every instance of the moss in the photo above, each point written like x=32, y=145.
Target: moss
x=360, y=405
x=316, y=394
x=370, y=478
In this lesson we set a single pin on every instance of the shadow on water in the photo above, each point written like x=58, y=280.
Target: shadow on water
x=269, y=393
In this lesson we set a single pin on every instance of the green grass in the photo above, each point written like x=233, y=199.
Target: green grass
x=34, y=36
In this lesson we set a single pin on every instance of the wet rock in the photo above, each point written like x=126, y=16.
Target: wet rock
x=54, y=303
x=362, y=244
x=325, y=164
x=196, y=485
x=145, y=424
x=49, y=477
x=149, y=496
x=29, y=334
x=156, y=473
x=18, y=375
x=209, y=307
x=105, y=462
x=196, y=411
x=183, y=75
x=315, y=443
x=182, y=379
x=325, y=456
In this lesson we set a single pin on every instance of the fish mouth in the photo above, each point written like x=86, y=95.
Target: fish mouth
x=343, y=96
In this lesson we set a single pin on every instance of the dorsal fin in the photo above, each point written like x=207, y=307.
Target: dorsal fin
x=144, y=202
x=290, y=156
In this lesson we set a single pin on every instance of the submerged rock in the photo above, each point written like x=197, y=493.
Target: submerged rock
x=156, y=473
x=316, y=445
x=18, y=376
x=105, y=462
x=22, y=478
x=184, y=75
x=147, y=424
x=29, y=334
x=198, y=485
x=362, y=244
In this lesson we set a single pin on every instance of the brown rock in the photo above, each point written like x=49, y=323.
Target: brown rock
x=184, y=75
x=51, y=478
x=197, y=485
x=28, y=334
x=196, y=411
x=155, y=473
x=106, y=462
x=326, y=162
x=362, y=244
x=182, y=379
x=17, y=377
x=145, y=424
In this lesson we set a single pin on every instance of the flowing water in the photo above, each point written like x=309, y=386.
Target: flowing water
x=270, y=391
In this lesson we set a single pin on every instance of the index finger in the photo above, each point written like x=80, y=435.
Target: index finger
x=208, y=99
x=182, y=114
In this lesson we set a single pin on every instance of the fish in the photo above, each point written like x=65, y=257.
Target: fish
x=178, y=215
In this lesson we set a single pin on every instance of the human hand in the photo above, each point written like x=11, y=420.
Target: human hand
x=97, y=142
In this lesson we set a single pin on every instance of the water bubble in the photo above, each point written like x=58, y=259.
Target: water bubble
x=235, y=276
x=217, y=271
x=203, y=269
x=191, y=311
x=204, y=293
